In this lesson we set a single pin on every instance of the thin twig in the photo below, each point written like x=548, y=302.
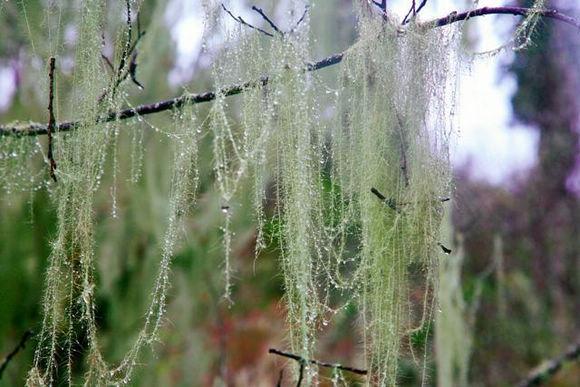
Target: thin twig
x=35, y=129
x=21, y=344
x=125, y=54
x=393, y=204
x=133, y=70
x=268, y=20
x=551, y=367
x=382, y=5
x=300, y=374
x=302, y=360
x=242, y=21
x=108, y=62
x=129, y=51
x=413, y=11
x=51, y=119
x=300, y=20
x=280, y=377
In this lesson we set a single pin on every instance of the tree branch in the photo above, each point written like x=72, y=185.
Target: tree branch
x=551, y=367
x=515, y=11
x=303, y=361
x=35, y=129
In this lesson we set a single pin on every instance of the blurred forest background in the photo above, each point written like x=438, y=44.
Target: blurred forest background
x=520, y=239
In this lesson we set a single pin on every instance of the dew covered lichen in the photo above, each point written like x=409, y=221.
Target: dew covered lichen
x=358, y=192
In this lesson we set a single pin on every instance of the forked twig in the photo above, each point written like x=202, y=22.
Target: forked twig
x=318, y=363
x=242, y=21
x=127, y=68
x=413, y=11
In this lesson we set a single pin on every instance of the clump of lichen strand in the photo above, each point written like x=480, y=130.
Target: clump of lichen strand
x=68, y=304
x=299, y=156
x=69, y=298
x=391, y=133
x=276, y=126
x=240, y=135
x=394, y=116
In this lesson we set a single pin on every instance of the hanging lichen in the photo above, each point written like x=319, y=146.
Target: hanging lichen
x=69, y=302
x=393, y=167
x=278, y=128
x=359, y=197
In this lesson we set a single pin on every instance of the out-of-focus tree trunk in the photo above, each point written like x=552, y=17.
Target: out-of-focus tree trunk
x=548, y=83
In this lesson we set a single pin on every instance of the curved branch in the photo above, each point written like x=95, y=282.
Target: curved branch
x=35, y=129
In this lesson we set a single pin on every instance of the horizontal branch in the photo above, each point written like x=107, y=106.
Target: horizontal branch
x=302, y=360
x=35, y=129
x=454, y=17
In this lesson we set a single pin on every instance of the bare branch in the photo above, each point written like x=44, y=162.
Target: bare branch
x=21, y=344
x=551, y=367
x=35, y=129
x=454, y=17
x=302, y=360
